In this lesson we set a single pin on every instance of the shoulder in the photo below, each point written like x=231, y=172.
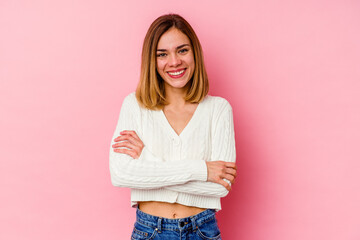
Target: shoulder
x=130, y=104
x=217, y=103
x=130, y=98
x=219, y=107
x=130, y=101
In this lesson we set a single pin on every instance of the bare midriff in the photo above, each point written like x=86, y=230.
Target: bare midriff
x=169, y=210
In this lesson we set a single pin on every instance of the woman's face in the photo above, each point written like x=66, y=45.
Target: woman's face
x=175, y=59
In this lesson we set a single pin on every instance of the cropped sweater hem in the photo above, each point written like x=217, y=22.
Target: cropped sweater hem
x=164, y=195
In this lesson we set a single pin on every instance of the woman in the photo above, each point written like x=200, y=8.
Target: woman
x=176, y=148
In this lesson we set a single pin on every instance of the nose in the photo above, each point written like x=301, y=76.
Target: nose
x=174, y=60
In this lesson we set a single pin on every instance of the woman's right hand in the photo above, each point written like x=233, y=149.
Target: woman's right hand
x=220, y=170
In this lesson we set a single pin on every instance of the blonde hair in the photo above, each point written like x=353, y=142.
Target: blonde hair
x=150, y=91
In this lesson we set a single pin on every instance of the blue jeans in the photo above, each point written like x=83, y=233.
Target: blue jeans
x=201, y=226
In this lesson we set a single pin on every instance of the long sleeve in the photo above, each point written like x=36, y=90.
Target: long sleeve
x=146, y=173
x=223, y=148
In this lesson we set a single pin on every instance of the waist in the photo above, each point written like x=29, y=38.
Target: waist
x=169, y=210
x=174, y=224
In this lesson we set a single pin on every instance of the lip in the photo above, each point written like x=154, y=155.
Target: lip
x=177, y=76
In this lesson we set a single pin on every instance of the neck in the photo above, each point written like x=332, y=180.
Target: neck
x=175, y=96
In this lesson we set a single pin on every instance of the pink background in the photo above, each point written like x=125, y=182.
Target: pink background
x=290, y=70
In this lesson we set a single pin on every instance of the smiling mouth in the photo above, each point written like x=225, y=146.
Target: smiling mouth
x=177, y=74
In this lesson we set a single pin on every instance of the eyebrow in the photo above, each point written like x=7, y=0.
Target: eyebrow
x=181, y=46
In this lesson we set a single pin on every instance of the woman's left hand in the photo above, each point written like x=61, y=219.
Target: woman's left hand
x=128, y=139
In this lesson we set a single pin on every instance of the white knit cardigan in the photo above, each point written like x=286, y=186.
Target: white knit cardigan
x=171, y=167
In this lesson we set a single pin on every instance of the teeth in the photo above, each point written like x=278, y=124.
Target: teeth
x=176, y=73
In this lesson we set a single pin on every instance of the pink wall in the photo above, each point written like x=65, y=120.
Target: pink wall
x=290, y=70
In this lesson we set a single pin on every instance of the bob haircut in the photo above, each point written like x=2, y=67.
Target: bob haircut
x=150, y=91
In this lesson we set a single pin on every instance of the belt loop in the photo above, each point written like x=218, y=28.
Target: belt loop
x=159, y=224
x=194, y=227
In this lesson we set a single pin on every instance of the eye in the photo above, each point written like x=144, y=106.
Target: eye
x=184, y=50
x=161, y=55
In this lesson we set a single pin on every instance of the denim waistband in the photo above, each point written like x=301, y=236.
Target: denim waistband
x=177, y=224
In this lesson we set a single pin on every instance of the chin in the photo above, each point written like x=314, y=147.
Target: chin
x=181, y=84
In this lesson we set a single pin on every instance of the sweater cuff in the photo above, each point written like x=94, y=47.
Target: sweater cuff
x=200, y=170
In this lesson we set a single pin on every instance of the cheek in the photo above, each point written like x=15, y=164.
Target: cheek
x=160, y=65
x=191, y=61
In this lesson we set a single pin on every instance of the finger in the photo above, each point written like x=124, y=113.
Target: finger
x=130, y=132
x=131, y=139
x=135, y=141
x=131, y=153
x=225, y=184
x=132, y=135
x=229, y=177
x=128, y=145
x=230, y=165
x=120, y=138
x=123, y=137
x=231, y=171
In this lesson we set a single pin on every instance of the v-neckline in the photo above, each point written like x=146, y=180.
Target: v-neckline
x=188, y=125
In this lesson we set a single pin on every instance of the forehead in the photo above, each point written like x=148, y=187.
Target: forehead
x=172, y=38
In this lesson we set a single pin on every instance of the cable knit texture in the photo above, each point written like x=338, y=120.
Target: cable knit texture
x=171, y=167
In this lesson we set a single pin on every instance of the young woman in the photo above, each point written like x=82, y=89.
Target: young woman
x=174, y=144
